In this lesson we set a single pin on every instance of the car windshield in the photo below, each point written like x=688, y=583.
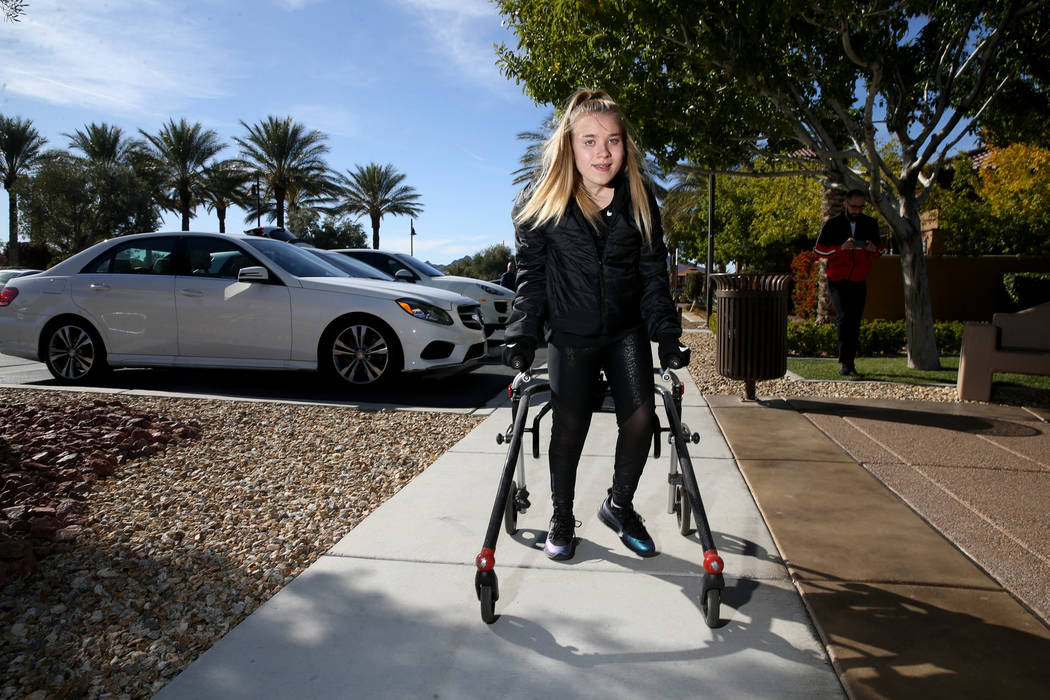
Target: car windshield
x=420, y=266
x=295, y=261
x=350, y=266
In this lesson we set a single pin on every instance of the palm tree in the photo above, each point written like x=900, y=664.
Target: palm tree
x=532, y=160
x=311, y=190
x=287, y=156
x=223, y=186
x=376, y=190
x=180, y=151
x=12, y=9
x=103, y=144
x=20, y=150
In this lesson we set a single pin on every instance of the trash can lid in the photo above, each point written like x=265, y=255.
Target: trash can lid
x=766, y=282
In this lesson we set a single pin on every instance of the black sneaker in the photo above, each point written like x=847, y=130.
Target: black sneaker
x=562, y=535
x=628, y=525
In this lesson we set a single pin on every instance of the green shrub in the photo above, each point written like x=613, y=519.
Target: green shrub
x=809, y=339
x=877, y=338
x=949, y=336
x=1027, y=289
x=694, y=288
x=881, y=337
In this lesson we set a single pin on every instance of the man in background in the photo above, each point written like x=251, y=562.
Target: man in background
x=849, y=241
x=509, y=278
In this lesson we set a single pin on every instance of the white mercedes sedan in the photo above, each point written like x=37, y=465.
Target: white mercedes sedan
x=230, y=301
x=495, y=300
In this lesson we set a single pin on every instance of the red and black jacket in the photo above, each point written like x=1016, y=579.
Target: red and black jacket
x=853, y=265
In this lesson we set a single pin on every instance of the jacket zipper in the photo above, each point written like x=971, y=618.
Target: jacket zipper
x=599, y=254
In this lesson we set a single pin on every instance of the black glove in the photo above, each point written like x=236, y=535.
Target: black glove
x=673, y=355
x=518, y=353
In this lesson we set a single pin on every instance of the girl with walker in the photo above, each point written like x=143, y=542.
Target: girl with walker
x=592, y=267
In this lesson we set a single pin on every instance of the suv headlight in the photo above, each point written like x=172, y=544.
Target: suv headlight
x=425, y=311
x=494, y=290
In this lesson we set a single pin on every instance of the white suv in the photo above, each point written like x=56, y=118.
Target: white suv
x=495, y=300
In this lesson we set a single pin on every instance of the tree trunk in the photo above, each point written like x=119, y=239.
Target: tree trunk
x=184, y=209
x=221, y=212
x=831, y=199
x=375, y=233
x=12, y=221
x=918, y=313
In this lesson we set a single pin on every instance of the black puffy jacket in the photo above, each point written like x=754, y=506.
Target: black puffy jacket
x=592, y=284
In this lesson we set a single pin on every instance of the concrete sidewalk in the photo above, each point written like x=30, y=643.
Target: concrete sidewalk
x=391, y=612
x=917, y=566
x=901, y=562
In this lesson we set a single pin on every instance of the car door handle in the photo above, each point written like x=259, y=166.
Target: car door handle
x=191, y=292
x=98, y=286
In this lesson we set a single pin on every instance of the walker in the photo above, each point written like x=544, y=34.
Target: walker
x=683, y=496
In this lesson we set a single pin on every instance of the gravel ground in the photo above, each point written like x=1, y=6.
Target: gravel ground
x=710, y=382
x=178, y=547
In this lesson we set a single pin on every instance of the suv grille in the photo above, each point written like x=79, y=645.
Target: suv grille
x=470, y=314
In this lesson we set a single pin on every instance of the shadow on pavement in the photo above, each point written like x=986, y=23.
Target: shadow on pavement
x=960, y=422
x=465, y=390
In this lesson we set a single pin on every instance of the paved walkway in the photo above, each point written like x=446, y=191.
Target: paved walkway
x=834, y=584
x=893, y=558
x=391, y=612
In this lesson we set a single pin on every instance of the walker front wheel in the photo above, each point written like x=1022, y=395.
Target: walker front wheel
x=488, y=605
x=710, y=602
x=487, y=587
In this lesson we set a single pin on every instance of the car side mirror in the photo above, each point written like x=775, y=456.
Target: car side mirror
x=255, y=273
x=404, y=275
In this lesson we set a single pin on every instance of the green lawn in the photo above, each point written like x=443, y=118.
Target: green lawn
x=895, y=369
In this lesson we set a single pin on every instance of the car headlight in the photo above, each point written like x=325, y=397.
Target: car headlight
x=494, y=291
x=425, y=311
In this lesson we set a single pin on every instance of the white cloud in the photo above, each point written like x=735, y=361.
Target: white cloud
x=69, y=54
x=474, y=8
x=461, y=30
x=293, y=5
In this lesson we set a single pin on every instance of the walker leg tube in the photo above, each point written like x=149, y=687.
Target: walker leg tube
x=503, y=492
x=712, y=562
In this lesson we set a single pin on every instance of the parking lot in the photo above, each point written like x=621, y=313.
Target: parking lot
x=465, y=392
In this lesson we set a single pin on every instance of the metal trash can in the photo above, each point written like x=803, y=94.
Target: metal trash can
x=752, y=327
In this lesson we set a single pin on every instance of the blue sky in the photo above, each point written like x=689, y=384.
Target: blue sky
x=412, y=83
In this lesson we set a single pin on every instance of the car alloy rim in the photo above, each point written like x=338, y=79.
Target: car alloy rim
x=360, y=354
x=71, y=352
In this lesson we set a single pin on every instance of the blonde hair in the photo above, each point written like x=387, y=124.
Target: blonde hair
x=559, y=180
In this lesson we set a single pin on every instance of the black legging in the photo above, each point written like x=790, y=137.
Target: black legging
x=573, y=372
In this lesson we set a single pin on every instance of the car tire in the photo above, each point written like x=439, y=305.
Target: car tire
x=73, y=352
x=362, y=352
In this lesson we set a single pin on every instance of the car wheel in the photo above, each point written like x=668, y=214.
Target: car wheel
x=363, y=352
x=74, y=353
